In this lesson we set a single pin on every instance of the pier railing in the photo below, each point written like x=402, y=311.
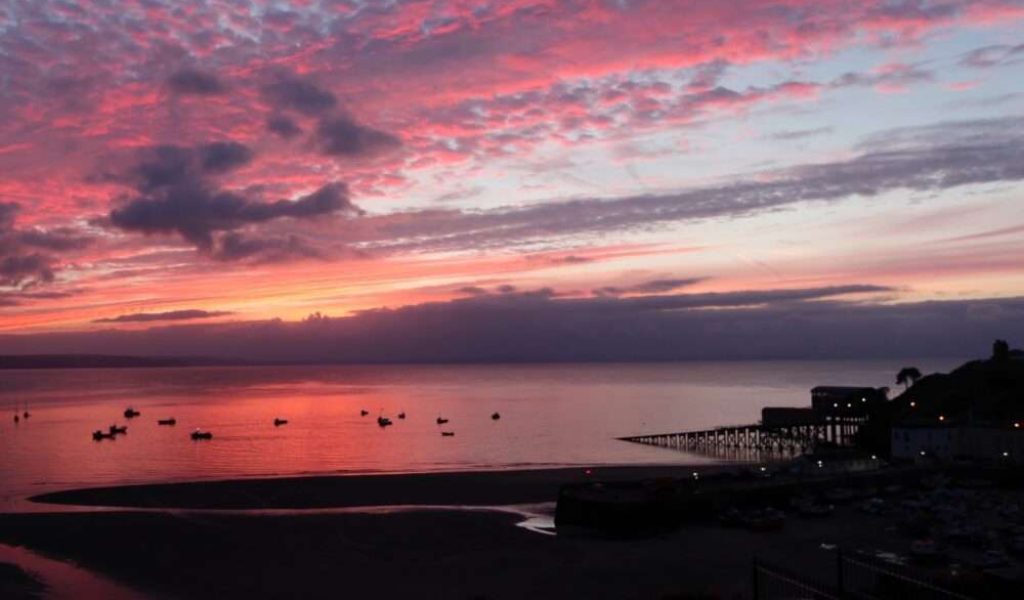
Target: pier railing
x=740, y=437
x=782, y=436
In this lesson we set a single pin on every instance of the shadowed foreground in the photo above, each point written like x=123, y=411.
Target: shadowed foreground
x=428, y=553
x=16, y=584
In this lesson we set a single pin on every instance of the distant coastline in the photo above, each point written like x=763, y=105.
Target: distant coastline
x=100, y=361
x=105, y=361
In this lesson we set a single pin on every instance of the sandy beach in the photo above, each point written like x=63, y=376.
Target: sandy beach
x=432, y=553
x=480, y=488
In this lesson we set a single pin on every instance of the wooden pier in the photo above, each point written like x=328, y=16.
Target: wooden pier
x=835, y=417
x=785, y=440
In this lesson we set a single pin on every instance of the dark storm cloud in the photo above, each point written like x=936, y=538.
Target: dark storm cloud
x=707, y=75
x=570, y=260
x=193, y=81
x=342, y=136
x=992, y=56
x=755, y=324
x=715, y=299
x=8, y=210
x=335, y=134
x=60, y=239
x=472, y=290
x=657, y=286
x=178, y=192
x=283, y=126
x=220, y=157
x=917, y=159
x=174, y=315
x=290, y=92
x=949, y=134
x=459, y=194
x=505, y=291
x=799, y=134
x=18, y=297
x=162, y=166
x=196, y=212
x=168, y=166
x=22, y=265
x=897, y=77
x=18, y=269
x=235, y=247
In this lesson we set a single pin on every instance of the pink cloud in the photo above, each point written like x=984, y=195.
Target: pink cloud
x=85, y=84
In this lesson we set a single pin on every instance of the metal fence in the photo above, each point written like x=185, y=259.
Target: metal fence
x=863, y=577
x=854, y=577
x=773, y=582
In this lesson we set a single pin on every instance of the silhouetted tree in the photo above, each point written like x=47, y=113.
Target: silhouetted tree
x=1000, y=351
x=908, y=376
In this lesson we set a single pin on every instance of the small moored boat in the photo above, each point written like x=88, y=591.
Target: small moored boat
x=441, y=421
x=114, y=429
x=198, y=434
x=279, y=422
x=170, y=421
x=384, y=421
x=363, y=413
x=401, y=415
x=447, y=433
x=99, y=434
x=495, y=416
x=131, y=413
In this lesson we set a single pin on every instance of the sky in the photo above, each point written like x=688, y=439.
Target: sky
x=516, y=180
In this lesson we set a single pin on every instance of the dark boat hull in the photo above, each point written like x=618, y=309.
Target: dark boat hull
x=626, y=507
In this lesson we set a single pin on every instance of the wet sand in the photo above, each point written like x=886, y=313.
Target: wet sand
x=480, y=488
x=420, y=554
x=411, y=555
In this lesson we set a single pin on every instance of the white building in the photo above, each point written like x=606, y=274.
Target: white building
x=915, y=441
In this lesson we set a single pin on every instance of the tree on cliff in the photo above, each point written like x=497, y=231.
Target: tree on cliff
x=1000, y=351
x=908, y=376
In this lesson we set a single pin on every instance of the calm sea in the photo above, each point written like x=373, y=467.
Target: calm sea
x=551, y=415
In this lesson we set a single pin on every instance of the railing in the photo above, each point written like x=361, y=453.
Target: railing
x=772, y=582
x=867, y=578
x=855, y=577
